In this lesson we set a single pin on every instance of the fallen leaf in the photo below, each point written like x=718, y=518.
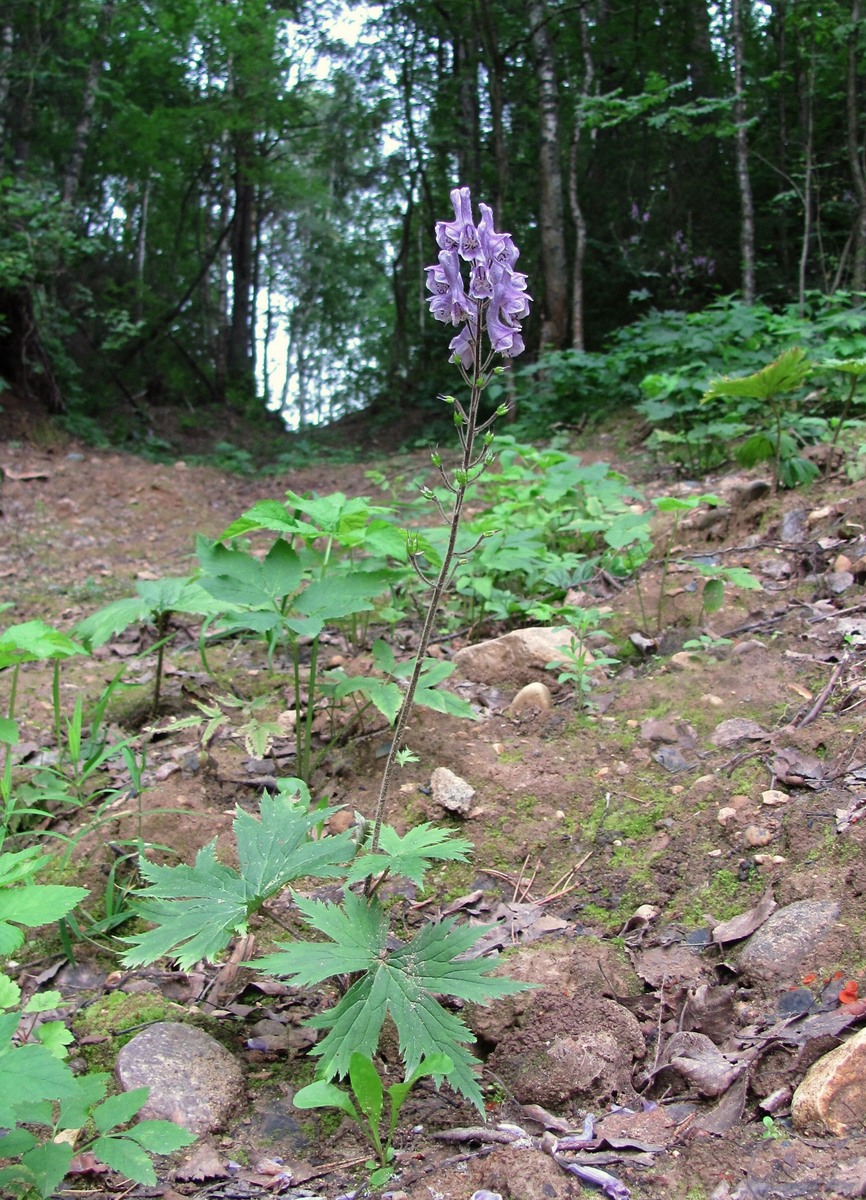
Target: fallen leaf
x=206, y=1163
x=746, y=923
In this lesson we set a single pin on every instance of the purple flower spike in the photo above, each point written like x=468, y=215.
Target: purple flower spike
x=496, y=299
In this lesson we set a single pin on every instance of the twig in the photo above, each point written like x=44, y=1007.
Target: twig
x=525, y=894
x=519, y=879
x=818, y=707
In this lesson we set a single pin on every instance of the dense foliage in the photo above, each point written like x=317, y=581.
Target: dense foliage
x=205, y=202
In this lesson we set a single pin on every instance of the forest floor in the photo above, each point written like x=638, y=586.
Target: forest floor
x=614, y=844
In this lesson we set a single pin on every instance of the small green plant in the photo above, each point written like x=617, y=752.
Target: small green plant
x=369, y=1095
x=772, y=1132
x=576, y=664
x=774, y=443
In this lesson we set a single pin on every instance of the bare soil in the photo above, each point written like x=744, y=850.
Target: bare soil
x=617, y=838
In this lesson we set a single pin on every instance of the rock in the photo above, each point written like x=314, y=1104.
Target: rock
x=832, y=1096
x=193, y=1080
x=451, y=791
x=792, y=527
x=654, y=729
x=757, y=835
x=789, y=939
x=517, y=657
x=571, y=1049
x=749, y=646
x=737, y=729
x=534, y=697
x=839, y=581
x=684, y=661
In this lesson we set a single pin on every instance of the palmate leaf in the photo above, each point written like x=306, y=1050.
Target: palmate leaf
x=400, y=982
x=785, y=374
x=197, y=910
x=411, y=855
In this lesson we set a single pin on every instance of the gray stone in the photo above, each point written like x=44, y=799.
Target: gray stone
x=783, y=945
x=517, y=657
x=832, y=1096
x=452, y=792
x=193, y=1080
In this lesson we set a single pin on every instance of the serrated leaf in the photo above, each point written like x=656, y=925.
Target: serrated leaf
x=399, y=982
x=31, y=1072
x=412, y=854
x=75, y=1109
x=784, y=374
x=126, y=1156
x=49, y=1163
x=197, y=910
x=383, y=694
x=43, y=1002
x=34, y=641
x=55, y=1037
x=160, y=1137
x=10, y=994
x=119, y=1109
x=38, y=904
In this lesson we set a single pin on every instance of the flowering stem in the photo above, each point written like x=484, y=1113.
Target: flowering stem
x=468, y=429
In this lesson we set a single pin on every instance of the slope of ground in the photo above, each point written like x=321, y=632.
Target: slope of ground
x=614, y=844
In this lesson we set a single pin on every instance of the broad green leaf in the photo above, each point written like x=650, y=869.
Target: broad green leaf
x=22, y=864
x=37, y=904
x=8, y=731
x=383, y=694
x=119, y=1109
x=75, y=1109
x=242, y=579
x=160, y=1137
x=34, y=641
x=325, y=1095
x=367, y=1087
x=49, y=1163
x=15, y=1142
x=785, y=374
x=400, y=982
x=126, y=1156
x=433, y=1064
x=197, y=910
x=412, y=854
x=265, y=514
x=10, y=993
x=31, y=1072
x=277, y=847
x=43, y=1002
x=383, y=656
x=55, y=1036
x=713, y=595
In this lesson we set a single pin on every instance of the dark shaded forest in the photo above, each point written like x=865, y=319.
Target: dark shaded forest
x=230, y=202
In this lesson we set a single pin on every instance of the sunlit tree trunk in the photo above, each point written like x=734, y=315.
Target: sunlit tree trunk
x=577, y=216
x=495, y=63
x=554, y=316
x=744, y=181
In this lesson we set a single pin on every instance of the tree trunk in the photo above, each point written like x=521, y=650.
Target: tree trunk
x=495, y=64
x=744, y=182
x=551, y=217
x=72, y=175
x=858, y=176
x=239, y=357
x=577, y=310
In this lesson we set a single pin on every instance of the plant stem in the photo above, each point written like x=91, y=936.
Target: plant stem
x=441, y=583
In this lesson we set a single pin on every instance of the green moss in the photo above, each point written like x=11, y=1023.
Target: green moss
x=117, y=1017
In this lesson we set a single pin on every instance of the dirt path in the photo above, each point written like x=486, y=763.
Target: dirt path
x=621, y=838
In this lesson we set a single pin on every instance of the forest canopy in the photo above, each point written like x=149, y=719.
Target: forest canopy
x=210, y=202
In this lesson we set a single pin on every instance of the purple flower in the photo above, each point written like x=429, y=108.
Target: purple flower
x=450, y=302
x=496, y=298
x=459, y=234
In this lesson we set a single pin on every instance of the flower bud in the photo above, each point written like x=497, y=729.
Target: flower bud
x=502, y=411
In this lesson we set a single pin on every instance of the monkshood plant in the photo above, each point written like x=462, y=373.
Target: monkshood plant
x=195, y=911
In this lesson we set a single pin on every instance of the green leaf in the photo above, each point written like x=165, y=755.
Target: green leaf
x=367, y=1087
x=383, y=656
x=49, y=1163
x=401, y=982
x=126, y=1156
x=197, y=910
x=89, y=1091
x=10, y=993
x=384, y=695
x=785, y=374
x=37, y=904
x=160, y=1137
x=713, y=595
x=8, y=731
x=43, y=1002
x=34, y=641
x=325, y=1095
x=412, y=854
x=55, y=1036
x=31, y=1072
x=119, y=1109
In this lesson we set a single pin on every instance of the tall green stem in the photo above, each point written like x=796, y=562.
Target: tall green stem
x=442, y=579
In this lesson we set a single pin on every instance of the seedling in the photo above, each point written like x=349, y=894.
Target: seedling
x=369, y=1094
